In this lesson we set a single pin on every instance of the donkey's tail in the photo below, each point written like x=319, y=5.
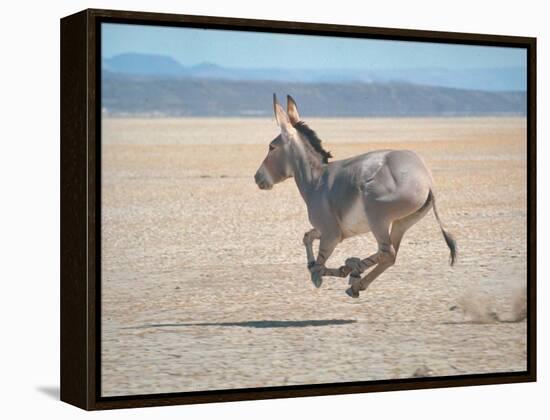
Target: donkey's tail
x=449, y=239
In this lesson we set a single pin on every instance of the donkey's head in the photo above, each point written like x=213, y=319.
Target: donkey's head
x=277, y=165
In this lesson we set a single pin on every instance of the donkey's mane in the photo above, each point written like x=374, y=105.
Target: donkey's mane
x=313, y=140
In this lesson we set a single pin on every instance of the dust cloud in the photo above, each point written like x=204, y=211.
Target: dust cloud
x=478, y=306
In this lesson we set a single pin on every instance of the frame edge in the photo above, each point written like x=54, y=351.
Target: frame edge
x=74, y=371
x=532, y=208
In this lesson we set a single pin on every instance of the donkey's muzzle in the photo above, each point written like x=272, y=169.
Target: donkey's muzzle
x=261, y=181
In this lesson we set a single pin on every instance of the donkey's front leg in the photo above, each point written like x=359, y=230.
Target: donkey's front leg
x=318, y=269
x=315, y=270
x=309, y=237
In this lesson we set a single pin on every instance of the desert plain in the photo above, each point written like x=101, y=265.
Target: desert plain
x=204, y=278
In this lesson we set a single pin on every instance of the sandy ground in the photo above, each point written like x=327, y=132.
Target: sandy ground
x=205, y=283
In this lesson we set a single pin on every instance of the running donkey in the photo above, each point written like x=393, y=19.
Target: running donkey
x=384, y=192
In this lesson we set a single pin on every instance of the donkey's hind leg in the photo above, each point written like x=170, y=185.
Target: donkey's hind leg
x=357, y=266
x=387, y=250
x=388, y=246
x=383, y=259
x=400, y=226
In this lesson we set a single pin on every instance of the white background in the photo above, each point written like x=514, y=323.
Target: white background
x=29, y=234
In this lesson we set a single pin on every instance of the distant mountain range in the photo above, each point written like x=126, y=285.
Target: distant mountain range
x=124, y=94
x=495, y=79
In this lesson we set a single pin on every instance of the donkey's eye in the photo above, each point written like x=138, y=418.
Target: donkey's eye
x=271, y=147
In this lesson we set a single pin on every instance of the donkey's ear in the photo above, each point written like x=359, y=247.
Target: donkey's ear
x=292, y=110
x=280, y=114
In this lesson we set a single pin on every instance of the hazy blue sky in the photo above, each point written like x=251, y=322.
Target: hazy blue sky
x=261, y=50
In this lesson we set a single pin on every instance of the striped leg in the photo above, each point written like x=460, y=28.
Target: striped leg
x=316, y=266
x=309, y=237
x=382, y=260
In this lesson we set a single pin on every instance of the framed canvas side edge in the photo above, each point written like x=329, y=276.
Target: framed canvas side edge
x=79, y=338
x=73, y=193
x=532, y=208
x=93, y=181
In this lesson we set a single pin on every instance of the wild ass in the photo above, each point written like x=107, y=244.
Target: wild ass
x=384, y=192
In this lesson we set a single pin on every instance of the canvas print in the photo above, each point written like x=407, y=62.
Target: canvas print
x=282, y=209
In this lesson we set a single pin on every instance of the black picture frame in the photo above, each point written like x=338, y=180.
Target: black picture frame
x=81, y=208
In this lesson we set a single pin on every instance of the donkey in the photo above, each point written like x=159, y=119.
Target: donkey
x=384, y=192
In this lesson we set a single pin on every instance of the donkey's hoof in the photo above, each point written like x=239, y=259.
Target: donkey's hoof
x=316, y=279
x=352, y=293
